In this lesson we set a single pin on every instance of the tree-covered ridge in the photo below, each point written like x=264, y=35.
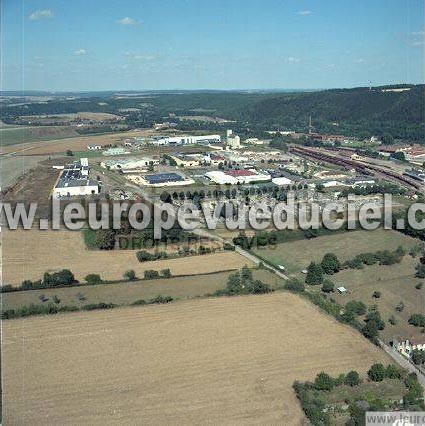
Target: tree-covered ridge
x=347, y=111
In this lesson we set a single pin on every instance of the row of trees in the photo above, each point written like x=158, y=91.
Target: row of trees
x=330, y=263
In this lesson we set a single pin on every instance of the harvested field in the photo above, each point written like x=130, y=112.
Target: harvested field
x=52, y=118
x=216, y=361
x=11, y=168
x=28, y=254
x=125, y=293
x=77, y=143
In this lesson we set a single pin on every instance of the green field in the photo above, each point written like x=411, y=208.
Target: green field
x=24, y=134
x=297, y=255
x=125, y=293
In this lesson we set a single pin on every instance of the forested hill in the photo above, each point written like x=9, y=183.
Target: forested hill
x=345, y=111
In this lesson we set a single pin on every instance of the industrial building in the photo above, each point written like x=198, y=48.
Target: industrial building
x=129, y=163
x=185, y=140
x=237, y=176
x=232, y=141
x=161, y=179
x=74, y=181
x=282, y=181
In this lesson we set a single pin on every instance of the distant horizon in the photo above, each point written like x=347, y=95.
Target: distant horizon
x=203, y=90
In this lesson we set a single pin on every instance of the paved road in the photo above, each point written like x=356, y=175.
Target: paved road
x=403, y=362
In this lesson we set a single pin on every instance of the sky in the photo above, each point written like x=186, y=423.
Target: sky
x=91, y=45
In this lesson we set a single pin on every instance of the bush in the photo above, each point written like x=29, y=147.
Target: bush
x=418, y=286
x=418, y=320
x=392, y=372
x=151, y=275
x=105, y=239
x=355, y=263
x=100, y=305
x=377, y=373
x=166, y=273
x=294, y=285
x=161, y=299
x=139, y=302
x=328, y=286
x=93, y=279
x=144, y=256
x=357, y=307
x=130, y=275
x=323, y=382
x=376, y=294
x=352, y=378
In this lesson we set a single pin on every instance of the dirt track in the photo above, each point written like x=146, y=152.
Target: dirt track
x=208, y=361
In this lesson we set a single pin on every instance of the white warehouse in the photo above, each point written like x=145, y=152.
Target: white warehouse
x=187, y=140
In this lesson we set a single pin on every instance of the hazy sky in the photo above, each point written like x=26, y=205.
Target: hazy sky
x=212, y=44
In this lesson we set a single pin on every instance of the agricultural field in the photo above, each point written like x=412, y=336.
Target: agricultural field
x=36, y=185
x=297, y=255
x=52, y=118
x=28, y=134
x=228, y=360
x=125, y=293
x=61, y=144
x=396, y=283
x=11, y=168
x=28, y=254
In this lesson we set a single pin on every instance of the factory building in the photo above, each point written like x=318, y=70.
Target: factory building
x=234, y=177
x=74, y=181
x=232, y=141
x=161, y=179
x=186, y=140
x=129, y=163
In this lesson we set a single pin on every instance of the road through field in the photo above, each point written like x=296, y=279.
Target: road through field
x=204, y=361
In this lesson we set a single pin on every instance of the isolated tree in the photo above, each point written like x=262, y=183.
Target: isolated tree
x=93, y=279
x=352, y=378
x=314, y=274
x=330, y=264
x=376, y=294
x=377, y=373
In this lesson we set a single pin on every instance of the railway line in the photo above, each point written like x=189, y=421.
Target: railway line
x=359, y=166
